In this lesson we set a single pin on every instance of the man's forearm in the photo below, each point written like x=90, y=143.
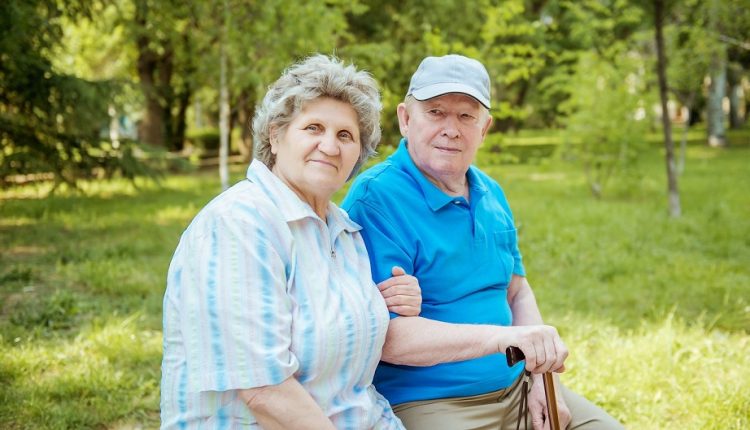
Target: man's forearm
x=525, y=309
x=522, y=303
x=417, y=341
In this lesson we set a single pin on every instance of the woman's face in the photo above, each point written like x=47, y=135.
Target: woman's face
x=318, y=150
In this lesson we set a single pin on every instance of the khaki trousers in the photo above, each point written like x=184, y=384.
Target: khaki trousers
x=495, y=410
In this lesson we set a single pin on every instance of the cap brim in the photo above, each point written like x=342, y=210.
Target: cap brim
x=435, y=90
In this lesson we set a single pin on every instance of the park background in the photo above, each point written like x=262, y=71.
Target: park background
x=120, y=119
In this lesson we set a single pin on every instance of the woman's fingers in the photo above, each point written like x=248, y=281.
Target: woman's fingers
x=401, y=293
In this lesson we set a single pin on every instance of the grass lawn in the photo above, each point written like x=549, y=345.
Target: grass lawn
x=656, y=311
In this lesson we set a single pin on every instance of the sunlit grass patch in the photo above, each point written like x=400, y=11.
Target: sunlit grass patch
x=666, y=375
x=106, y=372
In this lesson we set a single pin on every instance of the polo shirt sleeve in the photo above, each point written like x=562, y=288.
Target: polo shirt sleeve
x=518, y=267
x=387, y=245
x=236, y=316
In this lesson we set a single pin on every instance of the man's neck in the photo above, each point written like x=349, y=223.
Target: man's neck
x=454, y=187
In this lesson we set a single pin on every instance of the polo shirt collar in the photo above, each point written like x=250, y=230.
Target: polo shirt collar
x=434, y=196
x=292, y=208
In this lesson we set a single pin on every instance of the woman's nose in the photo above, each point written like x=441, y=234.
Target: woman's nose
x=329, y=144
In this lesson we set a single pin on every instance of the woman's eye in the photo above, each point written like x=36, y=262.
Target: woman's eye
x=345, y=135
x=312, y=127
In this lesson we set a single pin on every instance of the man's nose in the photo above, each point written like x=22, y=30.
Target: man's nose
x=450, y=127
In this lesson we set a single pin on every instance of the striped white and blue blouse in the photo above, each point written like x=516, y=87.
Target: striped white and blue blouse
x=261, y=289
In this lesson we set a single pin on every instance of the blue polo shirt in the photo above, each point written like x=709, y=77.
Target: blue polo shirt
x=463, y=254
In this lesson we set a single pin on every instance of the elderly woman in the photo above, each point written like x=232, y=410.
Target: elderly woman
x=271, y=318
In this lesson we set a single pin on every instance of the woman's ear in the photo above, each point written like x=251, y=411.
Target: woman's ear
x=273, y=137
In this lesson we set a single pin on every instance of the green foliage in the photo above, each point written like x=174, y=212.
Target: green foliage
x=65, y=63
x=503, y=36
x=607, y=117
x=206, y=138
x=82, y=281
x=689, y=49
x=49, y=121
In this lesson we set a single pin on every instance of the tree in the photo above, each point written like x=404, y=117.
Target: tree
x=263, y=38
x=716, y=93
x=165, y=35
x=661, y=69
x=51, y=121
x=689, y=48
x=399, y=35
x=737, y=39
x=606, y=117
x=224, y=101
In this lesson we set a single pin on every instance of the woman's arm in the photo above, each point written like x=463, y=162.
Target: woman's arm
x=285, y=406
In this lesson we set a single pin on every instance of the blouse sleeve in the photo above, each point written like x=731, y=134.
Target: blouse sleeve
x=236, y=315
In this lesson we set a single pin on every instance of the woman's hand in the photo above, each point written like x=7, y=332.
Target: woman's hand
x=285, y=406
x=402, y=293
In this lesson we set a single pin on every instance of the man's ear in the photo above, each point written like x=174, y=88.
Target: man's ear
x=403, y=118
x=487, y=126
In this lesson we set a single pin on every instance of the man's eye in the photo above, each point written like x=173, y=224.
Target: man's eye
x=435, y=112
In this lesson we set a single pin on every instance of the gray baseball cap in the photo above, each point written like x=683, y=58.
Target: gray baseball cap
x=436, y=76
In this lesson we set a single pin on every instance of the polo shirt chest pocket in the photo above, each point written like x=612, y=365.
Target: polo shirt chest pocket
x=504, y=245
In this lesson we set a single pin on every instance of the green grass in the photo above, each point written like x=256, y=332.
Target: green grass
x=656, y=311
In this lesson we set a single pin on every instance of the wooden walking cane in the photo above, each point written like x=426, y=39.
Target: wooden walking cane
x=513, y=355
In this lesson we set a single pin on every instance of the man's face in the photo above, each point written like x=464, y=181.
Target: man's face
x=444, y=134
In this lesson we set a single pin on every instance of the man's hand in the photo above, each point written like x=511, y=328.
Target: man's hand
x=402, y=293
x=538, y=406
x=541, y=344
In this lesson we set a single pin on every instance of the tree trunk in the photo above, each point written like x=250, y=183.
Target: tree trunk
x=224, y=106
x=735, y=119
x=164, y=72
x=716, y=93
x=184, y=93
x=178, y=136
x=198, y=113
x=680, y=168
x=151, y=128
x=114, y=127
x=661, y=66
x=245, y=112
x=695, y=112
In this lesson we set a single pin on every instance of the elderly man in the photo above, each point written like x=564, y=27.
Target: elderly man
x=428, y=210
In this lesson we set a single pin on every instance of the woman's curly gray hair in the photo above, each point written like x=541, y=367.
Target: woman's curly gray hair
x=318, y=76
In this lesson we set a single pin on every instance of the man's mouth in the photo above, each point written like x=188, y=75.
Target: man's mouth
x=448, y=149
